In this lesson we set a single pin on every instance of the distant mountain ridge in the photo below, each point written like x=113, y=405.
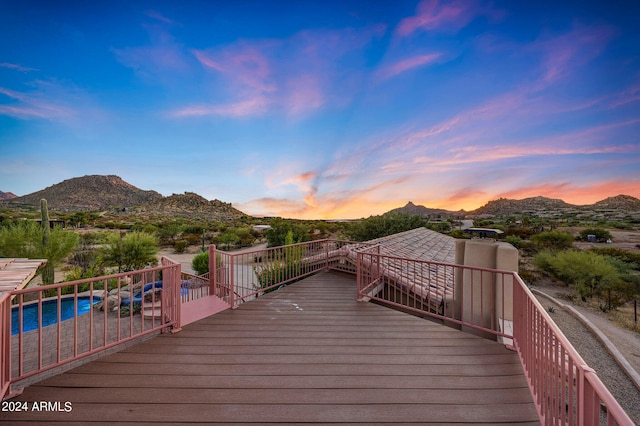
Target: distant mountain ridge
x=423, y=211
x=506, y=206
x=100, y=192
x=7, y=195
x=509, y=206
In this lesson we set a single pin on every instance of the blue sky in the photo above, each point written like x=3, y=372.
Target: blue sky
x=324, y=109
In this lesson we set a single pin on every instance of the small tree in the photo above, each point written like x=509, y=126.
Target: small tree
x=277, y=234
x=26, y=239
x=136, y=250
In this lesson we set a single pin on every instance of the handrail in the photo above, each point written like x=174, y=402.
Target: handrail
x=243, y=276
x=564, y=388
x=92, y=332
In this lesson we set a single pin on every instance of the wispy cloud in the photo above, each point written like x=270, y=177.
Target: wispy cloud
x=295, y=76
x=159, y=17
x=436, y=14
x=16, y=67
x=407, y=64
x=24, y=105
x=565, y=54
x=250, y=107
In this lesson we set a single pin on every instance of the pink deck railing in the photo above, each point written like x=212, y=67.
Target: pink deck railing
x=5, y=342
x=480, y=300
x=243, y=276
x=565, y=389
x=193, y=287
x=26, y=353
x=486, y=301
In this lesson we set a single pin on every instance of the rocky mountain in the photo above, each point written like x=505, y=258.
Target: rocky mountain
x=505, y=206
x=423, y=211
x=7, y=195
x=117, y=197
x=94, y=192
x=190, y=204
x=619, y=202
x=622, y=204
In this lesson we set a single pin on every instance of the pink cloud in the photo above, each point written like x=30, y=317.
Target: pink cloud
x=244, y=65
x=436, y=14
x=406, y=65
x=297, y=75
x=565, y=54
x=303, y=93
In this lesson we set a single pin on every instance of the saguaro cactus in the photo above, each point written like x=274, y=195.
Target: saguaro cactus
x=47, y=271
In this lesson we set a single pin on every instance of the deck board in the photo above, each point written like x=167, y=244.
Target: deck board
x=306, y=353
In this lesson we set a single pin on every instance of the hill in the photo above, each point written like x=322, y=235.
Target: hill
x=94, y=192
x=112, y=194
x=190, y=205
x=619, y=202
x=505, y=206
x=423, y=211
x=7, y=195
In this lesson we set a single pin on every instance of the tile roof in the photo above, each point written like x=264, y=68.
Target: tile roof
x=16, y=273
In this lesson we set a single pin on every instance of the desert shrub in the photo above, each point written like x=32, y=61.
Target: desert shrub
x=285, y=266
x=459, y=234
x=514, y=241
x=554, y=240
x=180, y=246
x=591, y=274
x=621, y=254
x=602, y=235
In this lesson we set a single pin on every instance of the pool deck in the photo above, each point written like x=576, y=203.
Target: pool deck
x=308, y=353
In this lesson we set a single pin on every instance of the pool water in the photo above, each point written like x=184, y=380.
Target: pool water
x=49, y=312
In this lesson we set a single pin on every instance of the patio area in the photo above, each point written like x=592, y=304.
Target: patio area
x=306, y=353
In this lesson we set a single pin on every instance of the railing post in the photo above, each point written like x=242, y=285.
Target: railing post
x=213, y=271
x=326, y=254
x=5, y=350
x=232, y=282
x=177, y=289
x=359, y=276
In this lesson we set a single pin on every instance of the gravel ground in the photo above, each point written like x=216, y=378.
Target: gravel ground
x=598, y=358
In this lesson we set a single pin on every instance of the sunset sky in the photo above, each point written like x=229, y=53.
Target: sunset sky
x=324, y=109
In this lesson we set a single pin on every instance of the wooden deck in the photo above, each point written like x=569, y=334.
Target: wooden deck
x=306, y=353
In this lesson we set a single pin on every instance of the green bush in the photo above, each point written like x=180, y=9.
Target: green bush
x=602, y=235
x=200, y=263
x=180, y=246
x=135, y=250
x=591, y=274
x=386, y=224
x=554, y=240
x=514, y=241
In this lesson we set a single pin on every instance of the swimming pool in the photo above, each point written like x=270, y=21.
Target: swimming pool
x=49, y=312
